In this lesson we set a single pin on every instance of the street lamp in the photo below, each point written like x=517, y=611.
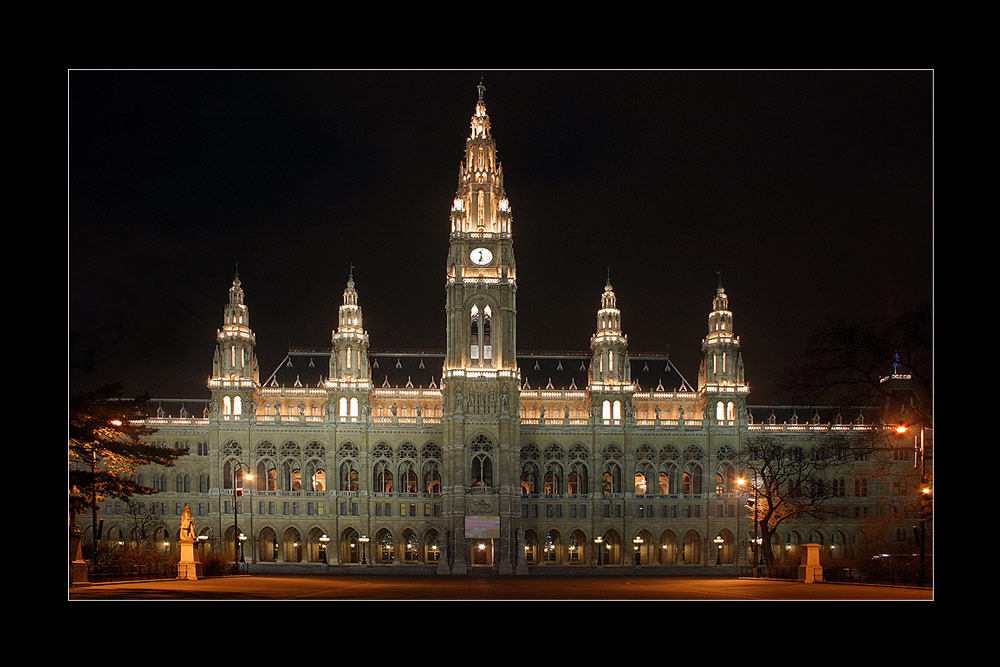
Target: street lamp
x=719, y=541
x=364, y=548
x=243, y=539
x=253, y=542
x=323, y=540
x=924, y=498
x=758, y=554
x=637, y=540
x=598, y=541
x=237, y=494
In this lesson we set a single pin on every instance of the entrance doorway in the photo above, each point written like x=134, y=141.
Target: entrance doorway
x=482, y=552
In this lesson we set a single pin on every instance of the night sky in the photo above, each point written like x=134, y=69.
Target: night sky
x=811, y=192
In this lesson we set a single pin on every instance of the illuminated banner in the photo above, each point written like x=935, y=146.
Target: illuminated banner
x=482, y=526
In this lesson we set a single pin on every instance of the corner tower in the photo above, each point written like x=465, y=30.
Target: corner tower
x=721, y=383
x=611, y=387
x=480, y=378
x=235, y=374
x=349, y=385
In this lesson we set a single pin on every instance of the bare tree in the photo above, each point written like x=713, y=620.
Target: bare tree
x=846, y=363
x=796, y=480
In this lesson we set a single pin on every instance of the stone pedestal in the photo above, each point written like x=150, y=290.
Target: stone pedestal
x=77, y=565
x=810, y=570
x=190, y=566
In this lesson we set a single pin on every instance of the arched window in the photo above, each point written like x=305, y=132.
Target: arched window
x=606, y=411
x=348, y=476
x=576, y=483
x=237, y=405
x=616, y=411
x=482, y=461
x=691, y=480
x=382, y=477
x=640, y=484
x=529, y=479
x=720, y=411
x=487, y=325
x=354, y=409
x=227, y=405
x=550, y=484
x=407, y=478
x=663, y=483
x=730, y=411
x=343, y=407
x=432, y=480
x=474, y=333
x=318, y=480
x=482, y=470
x=611, y=480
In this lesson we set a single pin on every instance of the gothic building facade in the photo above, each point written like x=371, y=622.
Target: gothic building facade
x=477, y=455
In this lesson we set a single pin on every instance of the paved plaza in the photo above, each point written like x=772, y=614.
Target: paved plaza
x=496, y=588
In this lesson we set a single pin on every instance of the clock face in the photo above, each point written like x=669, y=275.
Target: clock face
x=481, y=256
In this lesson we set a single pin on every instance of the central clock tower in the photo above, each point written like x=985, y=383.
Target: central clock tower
x=480, y=378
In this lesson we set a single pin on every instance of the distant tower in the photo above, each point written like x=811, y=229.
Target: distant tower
x=721, y=383
x=235, y=374
x=349, y=385
x=610, y=371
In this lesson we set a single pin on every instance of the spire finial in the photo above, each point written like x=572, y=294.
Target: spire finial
x=718, y=275
x=609, y=276
x=481, y=88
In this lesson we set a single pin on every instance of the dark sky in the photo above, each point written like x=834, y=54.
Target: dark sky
x=811, y=192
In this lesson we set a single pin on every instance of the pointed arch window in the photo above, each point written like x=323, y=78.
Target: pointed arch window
x=407, y=478
x=487, y=337
x=576, y=482
x=611, y=480
x=474, y=333
x=348, y=476
x=383, y=477
x=482, y=470
x=529, y=476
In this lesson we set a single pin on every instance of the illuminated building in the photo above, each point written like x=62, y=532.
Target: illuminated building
x=477, y=455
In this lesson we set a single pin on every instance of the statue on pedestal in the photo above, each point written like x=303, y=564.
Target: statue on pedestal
x=190, y=566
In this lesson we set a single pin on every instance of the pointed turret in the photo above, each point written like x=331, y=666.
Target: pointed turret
x=610, y=364
x=235, y=373
x=720, y=378
x=349, y=358
x=349, y=385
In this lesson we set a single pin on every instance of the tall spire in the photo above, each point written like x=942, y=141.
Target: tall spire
x=480, y=206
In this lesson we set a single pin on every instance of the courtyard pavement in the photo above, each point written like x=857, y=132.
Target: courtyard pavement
x=490, y=587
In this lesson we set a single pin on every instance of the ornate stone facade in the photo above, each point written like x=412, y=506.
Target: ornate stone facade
x=478, y=455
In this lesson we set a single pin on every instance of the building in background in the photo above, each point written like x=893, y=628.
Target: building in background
x=481, y=454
